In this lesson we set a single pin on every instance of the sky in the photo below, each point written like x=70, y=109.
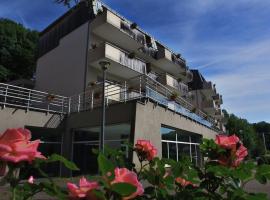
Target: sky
x=228, y=41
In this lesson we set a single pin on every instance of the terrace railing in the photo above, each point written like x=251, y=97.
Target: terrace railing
x=20, y=97
x=137, y=88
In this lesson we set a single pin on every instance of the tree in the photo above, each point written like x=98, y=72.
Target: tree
x=245, y=131
x=18, y=51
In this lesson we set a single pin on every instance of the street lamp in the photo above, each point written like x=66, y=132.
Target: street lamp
x=104, y=66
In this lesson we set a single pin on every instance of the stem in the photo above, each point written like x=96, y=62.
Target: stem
x=13, y=193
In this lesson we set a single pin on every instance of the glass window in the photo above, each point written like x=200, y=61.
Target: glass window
x=87, y=139
x=180, y=143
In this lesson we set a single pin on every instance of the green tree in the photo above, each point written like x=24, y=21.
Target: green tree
x=245, y=131
x=18, y=50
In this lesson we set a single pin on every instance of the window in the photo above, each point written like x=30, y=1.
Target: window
x=179, y=143
x=86, y=139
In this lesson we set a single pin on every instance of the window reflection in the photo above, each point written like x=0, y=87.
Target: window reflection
x=86, y=139
x=179, y=143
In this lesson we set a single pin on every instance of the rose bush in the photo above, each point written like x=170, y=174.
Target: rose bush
x=223, y=176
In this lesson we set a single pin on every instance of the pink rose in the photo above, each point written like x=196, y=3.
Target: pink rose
x=237, y=151
x=83, y=190
x=15, y=146
x=123, y=175
x=145, y=150
x=31, y=180
x=227, y=142
x=240, y=155
x=184, y=182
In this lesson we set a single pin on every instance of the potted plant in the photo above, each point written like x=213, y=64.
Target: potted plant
x=130, y=89
x=194, y=110
x=92, y=83
x=133, y=25
x=148, y=68
x=178, y=55
x=97, y=95
x=131, y=55
x=174, y=96
x=50, y=97
x=94, y=46
x=179, y=80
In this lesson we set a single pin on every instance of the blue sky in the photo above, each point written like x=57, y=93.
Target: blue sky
x=229, y=41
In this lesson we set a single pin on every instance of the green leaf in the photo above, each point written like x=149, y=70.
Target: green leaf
x=124, y=189
x=68, y=164
x=105, y=165
x=264, y=170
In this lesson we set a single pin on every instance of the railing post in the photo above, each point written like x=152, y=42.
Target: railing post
x=92, y=99
x=62, y=104
x=79, y=102
x=69, y=105
x=140, y=87
x=5, y=101
x=28, y=101
x=125, y=92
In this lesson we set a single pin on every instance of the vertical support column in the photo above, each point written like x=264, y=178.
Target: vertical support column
x=140, y=87
x=5, y=100
x=28, y=100
x=125, y=92
x=104, y=66
x=176, y=139
x=190, y=150
x=92, y=99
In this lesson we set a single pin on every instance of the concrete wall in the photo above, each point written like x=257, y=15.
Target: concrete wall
x=150, y=117
x=17, y=118
x=62, y=70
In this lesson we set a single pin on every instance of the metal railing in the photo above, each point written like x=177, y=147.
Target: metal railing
x=20, y=97
x=137, y=88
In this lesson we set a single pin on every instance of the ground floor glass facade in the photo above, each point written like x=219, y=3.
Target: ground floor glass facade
x=179, y=143
x=86, y=139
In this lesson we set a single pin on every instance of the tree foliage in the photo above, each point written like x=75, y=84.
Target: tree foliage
x=246, y=132
x=18, y=49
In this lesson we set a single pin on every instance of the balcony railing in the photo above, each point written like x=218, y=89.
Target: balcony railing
x=138, y=88
x=19, y=97
x=118, y=57
x=132, y=32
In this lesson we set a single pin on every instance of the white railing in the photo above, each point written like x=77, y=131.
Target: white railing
x=136, y=88
x=20, y=97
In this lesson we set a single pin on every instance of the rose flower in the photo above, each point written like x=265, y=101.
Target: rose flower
x=235, y=150
x=83, y=190
x=15, y=146
x=145, y=150
x=183, y=182
x=123, y=175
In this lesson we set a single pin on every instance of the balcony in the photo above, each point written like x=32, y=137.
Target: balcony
x=209, y=107
x=209, y=89
x=172, y=83
x=169, y=62
x=115, y=30
x=219, y=114
x=218, y=99
x=121, y=63
x=186, y=76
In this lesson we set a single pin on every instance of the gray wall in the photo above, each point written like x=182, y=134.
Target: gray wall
x=18, y=118
x=62, y=70
x=150, y=117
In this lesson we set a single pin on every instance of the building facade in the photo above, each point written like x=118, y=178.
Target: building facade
x=150, y=91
